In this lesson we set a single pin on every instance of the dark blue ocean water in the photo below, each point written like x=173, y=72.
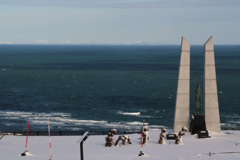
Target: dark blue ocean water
x=100, y=87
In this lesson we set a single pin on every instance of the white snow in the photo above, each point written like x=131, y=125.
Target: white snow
x=222, y=146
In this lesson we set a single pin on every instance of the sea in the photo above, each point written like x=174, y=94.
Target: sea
x=102, y=87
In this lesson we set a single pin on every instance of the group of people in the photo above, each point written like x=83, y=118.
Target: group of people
x=145, y=137
x=110, y=139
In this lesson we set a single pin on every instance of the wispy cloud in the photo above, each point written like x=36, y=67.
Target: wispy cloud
x=125, y=3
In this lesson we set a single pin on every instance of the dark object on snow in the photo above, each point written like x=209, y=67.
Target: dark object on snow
x=24, y=153
x=197, y=123
x=198, y=119
x=109, y=141
x=123, y=138
x=171, y=136
x=81, y=140
x=145, y=137
x=1, y=136
x=162, y=136
x=179, y=137
x=141, y=153
x=203, y=134
x=110, y=138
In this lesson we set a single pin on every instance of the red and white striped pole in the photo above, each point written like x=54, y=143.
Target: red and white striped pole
x=50, y=145
x=24, y=153
x=27, y=138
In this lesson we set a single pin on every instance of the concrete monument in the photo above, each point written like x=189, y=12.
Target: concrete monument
x=210, y=87
x=182, y=100
x=211, y=107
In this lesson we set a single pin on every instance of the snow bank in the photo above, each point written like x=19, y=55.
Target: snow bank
x=222, y=146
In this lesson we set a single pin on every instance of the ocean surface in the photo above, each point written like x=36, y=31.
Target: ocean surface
x=96, y=88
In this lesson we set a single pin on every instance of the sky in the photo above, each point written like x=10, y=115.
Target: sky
x=119, y=21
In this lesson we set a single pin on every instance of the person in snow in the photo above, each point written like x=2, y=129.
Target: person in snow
x=110, y=138
x=162, y=136
x=179, y=137
x=145, y=136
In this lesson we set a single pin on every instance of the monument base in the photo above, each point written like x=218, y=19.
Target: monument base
x=171, y=136
x=197, y=124
x=203, y=134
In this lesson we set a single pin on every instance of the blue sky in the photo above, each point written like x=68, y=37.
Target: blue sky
x=119, y=21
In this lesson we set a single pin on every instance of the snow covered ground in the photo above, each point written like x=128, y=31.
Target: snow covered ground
x=225, y=145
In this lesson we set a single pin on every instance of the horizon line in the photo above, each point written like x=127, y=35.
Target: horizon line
x=108, y=44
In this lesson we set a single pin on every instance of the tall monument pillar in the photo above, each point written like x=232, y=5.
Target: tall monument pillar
x=183, y=90
x=210, y=87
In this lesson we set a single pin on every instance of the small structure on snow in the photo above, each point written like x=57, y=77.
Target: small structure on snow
x=162, y=136
x=145, y=136
x=179, y=138
x=110, y=138
x=123, y=138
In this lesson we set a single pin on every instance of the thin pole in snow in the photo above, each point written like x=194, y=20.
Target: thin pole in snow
x=24, y=153
x=50, y=145
x=141, y=152
x=27, y=138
